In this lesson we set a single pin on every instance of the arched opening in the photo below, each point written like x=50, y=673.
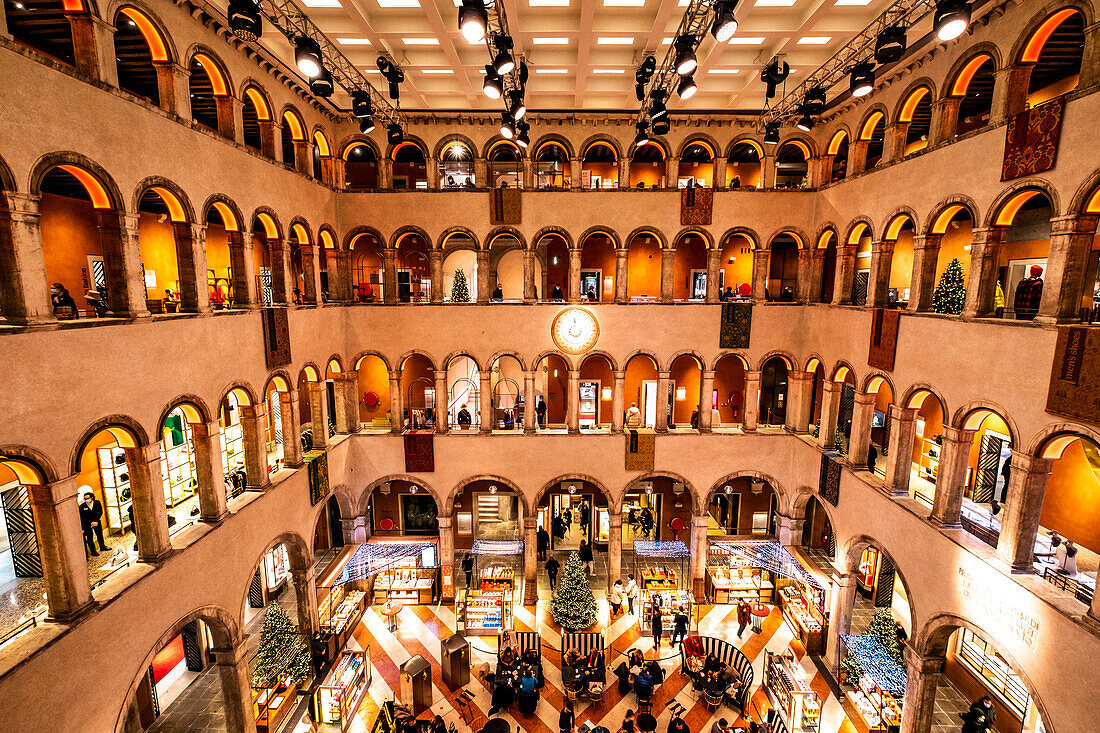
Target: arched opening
x=367, y=270
x=878, y=426
x=596, y=385
x=232, y=437
x=648, y=167
x=76, y=215
x=221, y=225
x=138, y=45
x=464, y=395
x=299, y=238
x=574, y=511
x=164, y=240
x=696, y=166
x=988, y=467
x=410, y=169
x=328, y=533
x=729, y=388
x=916, y=115
x=44, y=25
x=505, y=165
x=773, y=392
x=177, y=466
x=460, y=255
x=838, y=151
x=826, y=245
x=326, y=250
x=735, y=271
x=598, y=267
x=107, y=460
x=552, y=166
x=956, y=226
x=817, y=394
x=651, y=508
x=400, y=508
x=973, y=87
x=205, y=81
x=418, y=396
x=1022, y=258
x=506, y=268
x=689, y=269
x=554, y=251
x=294, y=138
x=643, y=267
x=1088, y=306
x=845, y=384
x=263, y=231
x=414, y=269
x=373, y=393
x=315, y=159
x=861, y=238
x=551, y=390
x=306, y=379
x=21, y=561
x=743, y=165
x=274, y=438
x=256, y=116
x=508, y=400
x=640, y=392
x=900, y=231
x=1067, y=545
x=600, y=166
x=792, y=166
x=927, y=446
x=456, y=166
x=818, y=536
x=1055, y=52
x=742, y=506
x=874, y=134
x=360, y=167
x=782, y=269
x=685, y=382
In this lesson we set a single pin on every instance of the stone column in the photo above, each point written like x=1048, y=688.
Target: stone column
x=122, y=261
x=926, y=251
x=761, y=261
x=720, y=173
x=442, y=400
x=951, y=477
x=209, y=471
x=862, y=414
x=282, y=280
x=529, y=417
x=799, y=400
x=255, y=448
x=350, y=398
x=1027, y=483
x=662, y=418
x=24, y=290
x=529, y=287
x=1010, y=86
x=574, y=294
x=385, y=174
x=840, y=616
x=436, y=261
x=845, y=274
x=529, y=174
x=355, y=530
x=830, y=408
x=446, y=552
x=945, y=120
x=481, y=173
x=303, y=157
x=305, y=594
x=614, y=546
x=1064, y=278
x=318, y=414
x=767, y=171
x=699, y=550
x=894, y=148
x=1090, y=58
x=311, y=275
x=878, y=280
x=231, y=123
x=618, y=399
x=573, y=407
x=981, y=285
x=484, y=284
x=292, y=428
x=817, y=276
x=806, y=275
x=339, y=406
x=621, y=275
x=624, y=173
x=93, y=47
x=191, y=265
x=236, y=682
x=922, y=676
x=574, y=172
x=150, y=511
x=668, y=274
x=752, y=400
x=267, y=138
x=61, y=548
x=672, y=172
x=530, y=561
x=485, y=399
x=789, y=530
x=706, y=401
x=389, y=275
x=397, y=412
x=242, y=270
x=714, y=265
x=857, y=157
x=899, y=458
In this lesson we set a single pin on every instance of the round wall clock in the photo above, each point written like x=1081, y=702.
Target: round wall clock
x=575, y=330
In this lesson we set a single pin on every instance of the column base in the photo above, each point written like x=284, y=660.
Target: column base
x=215, y=520
x=161, y=557
x=698, y=588
x=297, y=464
x=530, y=592
x=945, y=524
x=573, y=431
x=529, y=431
x=73, y=615
x=262, y=487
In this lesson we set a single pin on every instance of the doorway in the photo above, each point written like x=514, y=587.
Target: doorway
x=589, y=411
x=698, y=284
x=591, y=282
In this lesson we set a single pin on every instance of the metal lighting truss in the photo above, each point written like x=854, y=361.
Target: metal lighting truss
x=497, y=27
x=905, y=13
x=293, y=22
x=695, y=23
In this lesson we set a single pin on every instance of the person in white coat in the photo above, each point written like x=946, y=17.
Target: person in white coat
x=631, y=591
x=616, y=597
x=633, y=416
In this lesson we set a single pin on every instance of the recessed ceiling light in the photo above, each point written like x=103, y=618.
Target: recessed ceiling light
x=615, y=41
x=353, y=41
x=550, y=41
x=724, y=71
x=321, y=3
x=607, y=71
x=551, y=71
x=747, y=40
x=399, y=3
x=667, y=40
x=623, y=3
x=814, y=40
x=437, y=71
x=420, y=41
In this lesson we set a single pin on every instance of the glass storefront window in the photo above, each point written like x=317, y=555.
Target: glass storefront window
x=986, y=664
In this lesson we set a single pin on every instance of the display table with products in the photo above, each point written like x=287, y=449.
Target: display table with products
x=659, y=579
x=652, y=568
x=728, y=584
x=336, y=701
x=789, y=692
x=880, y=689
x=496, y=579
x=483, y=614
x=879, y=709
x=272, y=705
x=668, y=601
x=408, y=585
x=340, y=611
x=805, y=618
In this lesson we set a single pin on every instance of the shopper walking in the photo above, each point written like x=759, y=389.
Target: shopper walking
x=552, y=566
x=464, y=419
x=872, y=457
x=540, y=412
x=616, y=597
x=586, y=556
x=468, y=568
x=542, y=540
x=91, y=522
x=633, y=416
x=631, y=591
x=980, y=717
x=680, y=626
x=655, y=626
x=744, y=615
x=565, y=718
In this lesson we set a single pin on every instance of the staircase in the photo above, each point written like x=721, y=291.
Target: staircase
x=488, y=508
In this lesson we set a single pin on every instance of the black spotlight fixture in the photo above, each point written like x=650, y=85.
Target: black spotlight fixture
x=493, y=85
x=366, y=125
x=523, y=139
x=805, y=122
x=951, y=19
x=307, y=55
x=639, y=91
x=472, y=20
x=657, y=108
x=863, y=79
x=773, y=75
x=662, y=126
x=686, y=62
x=244, y=19
x=516, y=106
x=524, y=73
x=649, y=66
x=642, y=137
x=503, y=61
x=384, y=66
x=771, y=133
x=724, y=25
x=507, y=126
x=394, y=134
x=687, y=87
x=361, y=105
x=321, y=85
x=814, y=103
x=890, y=44
x=395, y=80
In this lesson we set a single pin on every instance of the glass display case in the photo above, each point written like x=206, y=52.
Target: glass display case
x=483, y=614
x=497, y=579
x=406, y=582
x=880, y=710
x=338, y=698
x=343, y=614
x=232, y=447
x=789, y=692
x=114, y=475
x=729, y=580
x=177, y=461
x=668, y=601
x=805, y=616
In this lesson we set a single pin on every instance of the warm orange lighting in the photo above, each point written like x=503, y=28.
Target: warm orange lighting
x=875, y=385
x=868, y=128
x=175, y=207
x=322, y=143
x=803, y=147
x=96, y=191
x=825, y=239
x=157, y=47
x=911, y=103
x=1042, y=34
x=813, y=364
x=241, y=395
x=280, y=384
x=841, y=374
x=311, y=373
x=962, y=81
x=25, y=473
x=858, y=233
x=72, y=6
x=405, y=144
x=939, y=226
x=229, y=219
x=834, y=144
x=217, y=80
x=703, y=144
x=1093, y=206
x=1008, y=212
x=258, y=103
x=270, y=230
x=300, y=234
x=893, y=229
x=501, y=144
x=292, y=121
x=327, y=240
x=334, y=366
x=599, y=144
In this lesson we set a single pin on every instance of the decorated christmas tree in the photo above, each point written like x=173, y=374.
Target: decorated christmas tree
x=950, y=292
x=885, y=629
x=574, y=607
x=460, y=291
x=283, y=652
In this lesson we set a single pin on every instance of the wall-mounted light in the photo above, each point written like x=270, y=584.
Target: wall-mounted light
x=681, y=393
x=493, y=489
x=728, y=489
x=605, y=393
x=413, y=489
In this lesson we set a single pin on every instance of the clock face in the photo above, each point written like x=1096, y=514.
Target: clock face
x=575, y=330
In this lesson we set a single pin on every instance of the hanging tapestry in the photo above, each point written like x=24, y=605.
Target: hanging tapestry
x=505, y=206
x=884, y=338
x=276, y=337
x=1031, y=142
x=419, y=451
x=640, y=444
x=696, y=206
x=829, y=482
x=736, y=326
x=317, y=468
x=1074, y=390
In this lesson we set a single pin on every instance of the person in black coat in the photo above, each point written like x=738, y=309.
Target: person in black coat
x=61, y=298
x=468, y=568
x=552, y=566
x=677, y=725
x=872, y=457
x=464, y=418
x=565, y=718
x=91, y=522
x=655, y=625
x=542, y=539
x=503, y=696
x=556, y=293
x=680, y=626
x=980, y=717
x=540, y=412
x=585, y=553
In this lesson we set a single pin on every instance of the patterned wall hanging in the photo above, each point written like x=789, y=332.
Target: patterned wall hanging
x=1031, y=142
x=1074, y=390
x=640, y=447
x=276, y=337
x=884, y=338
x=829, y=481
x=505, y=206
x=696, y=206
x=317, y=467
x=736, y=326
x=419, y=451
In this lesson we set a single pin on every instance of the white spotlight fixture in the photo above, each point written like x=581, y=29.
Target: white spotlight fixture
x=493, y=86
x=472, y=19
x=724, y=25
x=687, y=87
x=863, y=79
x=507, y=126
x=307, y=55
x=951, y=19
x=686, y=62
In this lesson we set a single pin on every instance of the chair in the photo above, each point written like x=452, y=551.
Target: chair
x=645, y=704
x=675, y=708
x=713, y=699
x=595, y=694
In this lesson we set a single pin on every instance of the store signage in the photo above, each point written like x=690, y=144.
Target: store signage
x=995, y=609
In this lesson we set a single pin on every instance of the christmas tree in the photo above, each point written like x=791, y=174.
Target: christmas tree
x=460, y=291
x=574, y=607
x=885, y=629
x=950, y=292
x=283, y=652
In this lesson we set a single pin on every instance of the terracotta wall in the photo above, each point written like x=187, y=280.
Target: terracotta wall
x=739, y=271
x=651, y=174
x=685, y=374
x=598, y=253
x=597, y=368
x=373, y=377
x=157, y=241
x=729, y=380
x=691, y=254
x=932, y=415
x=552, y=382
x=901, y=263
x=639, y=369
x=1071, y=505
x=644, y=267
x=955, y=243
x=69, y=235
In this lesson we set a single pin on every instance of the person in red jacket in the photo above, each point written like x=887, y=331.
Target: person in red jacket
x=744, y=616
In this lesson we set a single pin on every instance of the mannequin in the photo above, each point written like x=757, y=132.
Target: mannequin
x=1028, y=294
